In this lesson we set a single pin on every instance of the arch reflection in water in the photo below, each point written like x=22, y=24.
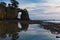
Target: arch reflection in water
x=24, y=25
x=11, y=29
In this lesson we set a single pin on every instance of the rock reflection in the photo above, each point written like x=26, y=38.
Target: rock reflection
x=11, y=29
x=24, y=25
x=53, y=27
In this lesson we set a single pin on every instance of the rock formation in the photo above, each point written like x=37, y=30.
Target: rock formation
x=25, y=15
x=11, y=12
x=2, y=12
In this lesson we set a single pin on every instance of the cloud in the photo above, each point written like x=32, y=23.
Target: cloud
x=34, y=6
x=46, y=9
x=52, y=10
x=31, y=1
x=54, y=1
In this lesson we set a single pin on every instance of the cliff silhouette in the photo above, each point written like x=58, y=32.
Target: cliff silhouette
x=11, y=11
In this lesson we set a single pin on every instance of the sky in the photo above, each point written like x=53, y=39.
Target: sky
x=41, y=9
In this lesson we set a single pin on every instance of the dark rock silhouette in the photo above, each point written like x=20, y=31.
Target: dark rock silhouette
x=25, y=15
x=2, y=11
x=57, y=36
x=11, y=11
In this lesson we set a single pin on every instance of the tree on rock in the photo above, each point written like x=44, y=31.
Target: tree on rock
x=14, y=3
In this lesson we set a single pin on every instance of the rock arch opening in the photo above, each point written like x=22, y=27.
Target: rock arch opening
x=19, y=15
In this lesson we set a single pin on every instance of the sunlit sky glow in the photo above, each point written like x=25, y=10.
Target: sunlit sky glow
x=41, y=9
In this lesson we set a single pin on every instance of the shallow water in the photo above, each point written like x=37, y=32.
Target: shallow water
x=15, y=30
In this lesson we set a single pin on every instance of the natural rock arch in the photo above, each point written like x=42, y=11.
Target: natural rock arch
x=24, y=14
x=12, y=13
